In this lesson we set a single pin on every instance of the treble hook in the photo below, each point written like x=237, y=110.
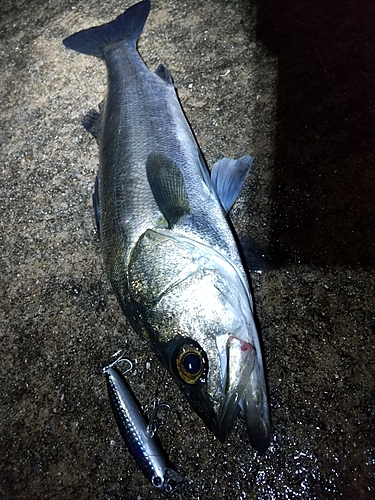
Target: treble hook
x=120, y=359
x=155, y=407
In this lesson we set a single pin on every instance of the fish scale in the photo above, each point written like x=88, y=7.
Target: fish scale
x=168, y=249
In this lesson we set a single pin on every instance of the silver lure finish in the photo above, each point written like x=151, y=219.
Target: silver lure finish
x=136, y=435
x=168, y=249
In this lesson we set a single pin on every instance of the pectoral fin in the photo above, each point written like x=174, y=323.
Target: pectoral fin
x=228, y=177
x=168, y=187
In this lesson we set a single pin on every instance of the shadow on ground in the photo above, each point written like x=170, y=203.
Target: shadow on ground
x=323, y=200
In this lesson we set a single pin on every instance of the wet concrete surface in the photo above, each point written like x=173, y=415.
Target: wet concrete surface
x=294, y=86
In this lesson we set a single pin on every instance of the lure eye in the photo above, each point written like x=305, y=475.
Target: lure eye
x=156, y=481
x=190, y=364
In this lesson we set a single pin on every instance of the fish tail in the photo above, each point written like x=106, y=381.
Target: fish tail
x=128, y=26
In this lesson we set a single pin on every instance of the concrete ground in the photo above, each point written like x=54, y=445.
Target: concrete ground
x=291, y=83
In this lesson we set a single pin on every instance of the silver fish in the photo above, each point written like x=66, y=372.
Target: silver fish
x=136, y=434
x=168, y=249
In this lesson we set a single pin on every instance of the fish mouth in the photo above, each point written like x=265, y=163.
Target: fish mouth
x=219, y=408
x=240, y=361
x=218, y=398
x=244, y=389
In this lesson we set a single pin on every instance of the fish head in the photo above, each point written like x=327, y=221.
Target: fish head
x=201, y=327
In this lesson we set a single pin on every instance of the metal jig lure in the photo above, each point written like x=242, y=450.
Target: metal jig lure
x=138, y=436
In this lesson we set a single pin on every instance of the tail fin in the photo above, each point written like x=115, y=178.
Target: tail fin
x=127, y=26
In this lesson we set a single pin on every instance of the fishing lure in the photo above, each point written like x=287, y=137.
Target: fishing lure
x=138, y=436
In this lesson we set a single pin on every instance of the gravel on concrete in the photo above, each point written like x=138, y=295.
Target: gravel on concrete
x=291, y=83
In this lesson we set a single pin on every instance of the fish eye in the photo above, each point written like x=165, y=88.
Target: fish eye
x=190, y=364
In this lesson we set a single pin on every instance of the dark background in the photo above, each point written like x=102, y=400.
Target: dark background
x=323, y=194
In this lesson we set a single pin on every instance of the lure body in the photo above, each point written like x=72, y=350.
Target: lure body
x=136, y=435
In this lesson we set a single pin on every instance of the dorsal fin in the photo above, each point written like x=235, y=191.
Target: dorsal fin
x=168, y=187
x=92, y=121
